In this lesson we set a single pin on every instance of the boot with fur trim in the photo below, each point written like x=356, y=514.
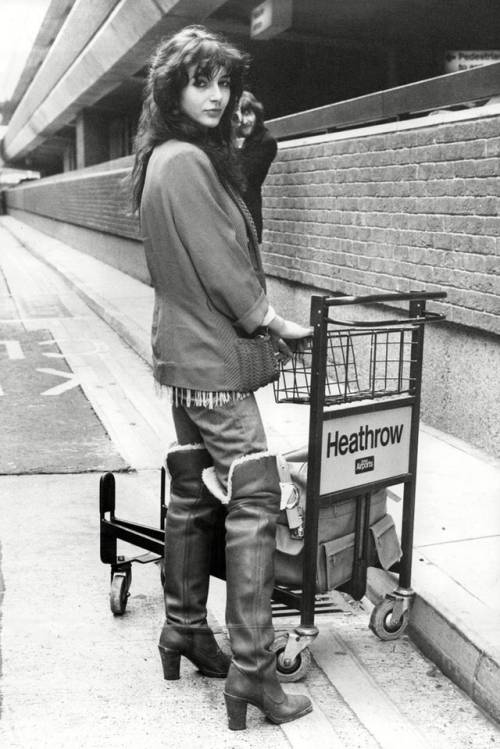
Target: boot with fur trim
x=192, y=516
x=253, y=504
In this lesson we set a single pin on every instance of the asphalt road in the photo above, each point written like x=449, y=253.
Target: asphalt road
x=48, y=425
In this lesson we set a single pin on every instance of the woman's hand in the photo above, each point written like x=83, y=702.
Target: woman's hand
x=288, y=329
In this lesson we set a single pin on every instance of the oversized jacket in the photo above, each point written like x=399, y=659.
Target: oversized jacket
x=208, y=285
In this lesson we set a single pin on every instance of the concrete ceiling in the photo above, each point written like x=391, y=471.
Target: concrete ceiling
x=450, y=22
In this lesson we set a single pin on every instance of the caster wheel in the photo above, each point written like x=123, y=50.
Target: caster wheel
x=293, y=671
x=118, y=595
x=380, y=621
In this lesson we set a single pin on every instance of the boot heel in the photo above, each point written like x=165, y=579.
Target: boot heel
x=171, y=662
x=236, y=712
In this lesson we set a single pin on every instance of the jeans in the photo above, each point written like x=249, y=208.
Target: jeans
x=227, y=432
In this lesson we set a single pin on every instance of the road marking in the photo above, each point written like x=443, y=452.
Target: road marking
x=72, y=380
x=14, y=350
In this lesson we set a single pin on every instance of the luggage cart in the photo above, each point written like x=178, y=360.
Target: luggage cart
x=362, y=383
x=362, y=380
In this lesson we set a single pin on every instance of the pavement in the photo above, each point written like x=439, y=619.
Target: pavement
x=455, y=615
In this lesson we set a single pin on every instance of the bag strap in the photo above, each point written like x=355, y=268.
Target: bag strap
x=253, y=241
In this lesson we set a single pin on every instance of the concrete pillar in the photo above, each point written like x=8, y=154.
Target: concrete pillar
x=69, y=158
x=92, y=142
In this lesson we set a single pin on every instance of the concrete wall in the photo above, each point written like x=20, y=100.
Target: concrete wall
x=408, y=206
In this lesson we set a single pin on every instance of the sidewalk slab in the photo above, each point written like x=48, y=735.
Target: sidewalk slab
x=455, y=617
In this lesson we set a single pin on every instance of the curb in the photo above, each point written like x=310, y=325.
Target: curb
x=457, y=652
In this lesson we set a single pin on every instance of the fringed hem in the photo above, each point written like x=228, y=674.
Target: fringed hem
x=202, y=398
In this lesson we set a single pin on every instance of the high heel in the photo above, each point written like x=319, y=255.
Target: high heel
x=171, y=662
x=236, y=712
x=197, y=645
x=278, y=707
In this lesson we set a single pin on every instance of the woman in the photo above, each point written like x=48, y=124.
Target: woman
x=257, y=149
x=209, y=294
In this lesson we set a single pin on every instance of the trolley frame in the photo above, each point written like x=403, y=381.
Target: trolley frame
x=320, y=411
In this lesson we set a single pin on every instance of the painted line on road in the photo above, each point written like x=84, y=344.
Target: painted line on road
x=72, y=380
x=14, y=349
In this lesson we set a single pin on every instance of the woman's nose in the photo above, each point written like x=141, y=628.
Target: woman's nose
x=215, y=91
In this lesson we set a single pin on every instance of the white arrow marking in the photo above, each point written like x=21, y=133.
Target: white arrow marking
x=71, y=381
x=54, y=356
x=51, y=342
x=14, y=350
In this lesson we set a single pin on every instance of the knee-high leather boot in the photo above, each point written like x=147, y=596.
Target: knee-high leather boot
x=189, y=533
x=253, y=508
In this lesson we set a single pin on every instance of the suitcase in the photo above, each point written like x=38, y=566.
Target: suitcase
x=336, y=538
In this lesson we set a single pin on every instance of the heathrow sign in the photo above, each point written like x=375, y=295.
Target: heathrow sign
x=362, y=448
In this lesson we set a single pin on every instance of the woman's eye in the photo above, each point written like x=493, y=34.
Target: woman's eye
x=225, y=83
x=200, y=82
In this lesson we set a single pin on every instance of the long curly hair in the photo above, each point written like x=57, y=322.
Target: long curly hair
x=161, y=118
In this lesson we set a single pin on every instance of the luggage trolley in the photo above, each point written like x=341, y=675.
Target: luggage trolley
x=362, y=382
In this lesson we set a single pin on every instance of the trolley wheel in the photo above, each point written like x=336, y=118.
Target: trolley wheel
x=380, y=621
x=118, y=594
x=294, y=671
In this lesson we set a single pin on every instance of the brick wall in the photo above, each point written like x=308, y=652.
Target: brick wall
x=414, y=208
x=408, y=209
x=97, y=198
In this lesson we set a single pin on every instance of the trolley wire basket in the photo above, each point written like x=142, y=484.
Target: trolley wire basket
x=361, y=363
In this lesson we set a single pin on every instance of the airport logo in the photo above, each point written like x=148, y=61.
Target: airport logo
x=363, y=465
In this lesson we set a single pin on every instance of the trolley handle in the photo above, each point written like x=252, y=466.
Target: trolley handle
x=426, y=317
x=412, y=296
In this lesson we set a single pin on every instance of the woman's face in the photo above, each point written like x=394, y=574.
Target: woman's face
x=246, y=122
x=204, y=99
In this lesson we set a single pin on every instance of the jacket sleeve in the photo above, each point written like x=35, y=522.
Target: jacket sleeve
x=189, y=188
